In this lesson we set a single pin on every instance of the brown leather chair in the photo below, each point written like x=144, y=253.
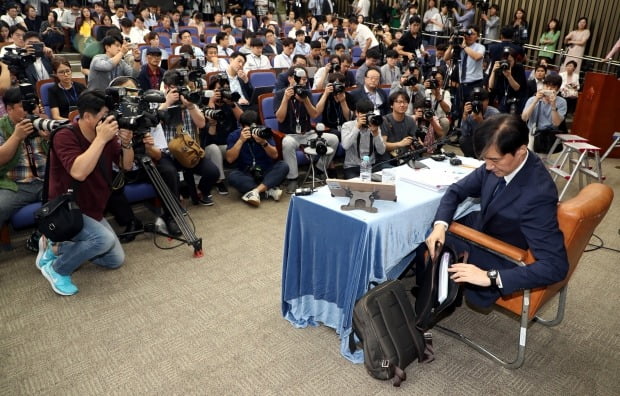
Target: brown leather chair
x=577, y=218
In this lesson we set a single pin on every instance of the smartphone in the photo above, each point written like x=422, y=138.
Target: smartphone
x=38, y=49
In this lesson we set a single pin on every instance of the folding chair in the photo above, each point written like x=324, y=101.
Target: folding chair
x=577, y=218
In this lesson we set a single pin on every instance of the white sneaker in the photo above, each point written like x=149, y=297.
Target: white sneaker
x=252, y=197
x=274, y=193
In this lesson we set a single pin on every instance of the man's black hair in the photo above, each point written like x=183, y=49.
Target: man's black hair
x=248, y=118
x=507, y=132
x=397, y=94
x=170, y=77
x=553, y=80
x=256, y=42
x=110, y=40
x=236, y=54
x=15, y=28
x=91, y=101
x=507, y=32
x=220, y=36
x=297, y=56
x=375, y=68
x=126, y=22
x=32, y=34
x=315, y=44
x=12, y=96
x=364, y=105
x=373, y=53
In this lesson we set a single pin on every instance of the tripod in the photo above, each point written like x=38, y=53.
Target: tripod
x=174, y=208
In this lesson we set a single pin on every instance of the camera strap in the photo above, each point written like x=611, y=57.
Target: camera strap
x=371, y=146
x=30, y=151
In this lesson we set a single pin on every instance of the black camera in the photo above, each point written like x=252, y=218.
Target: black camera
x=450, y=4
x=483, y=5
x=319, y=144
x=338, y=87
x=17, y=60
x=512, y=104
x=410, y=81
x=214, y=114
x=335, y=67
x=428, y=109
x=134, y=112
x=432, y=83
x=229, y=95
x=261, y=131
x=373, y=119
x=503, y=65
x=301, y=91
x=257, y=173
x=476, y=102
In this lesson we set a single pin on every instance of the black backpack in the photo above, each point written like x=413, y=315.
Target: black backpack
x=393, y=332
x=385, y=323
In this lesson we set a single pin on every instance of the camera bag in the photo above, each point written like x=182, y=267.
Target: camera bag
x=61, y=218
x=185, y=149
x=385, y=322
x=544, y=139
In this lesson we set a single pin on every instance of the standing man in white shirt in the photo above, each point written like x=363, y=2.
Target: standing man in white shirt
x=364, y=36
x=363, y=6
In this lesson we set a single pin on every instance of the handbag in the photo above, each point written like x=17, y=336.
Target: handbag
x=185, y=149
x=60, y=219
x=544, y=139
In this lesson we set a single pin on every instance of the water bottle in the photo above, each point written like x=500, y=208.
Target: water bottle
x=365, y=169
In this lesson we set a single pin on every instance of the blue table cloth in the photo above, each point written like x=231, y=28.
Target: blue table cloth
x=330, y=255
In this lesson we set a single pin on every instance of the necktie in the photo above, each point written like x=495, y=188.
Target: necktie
x=372, y=98
x=501, y=185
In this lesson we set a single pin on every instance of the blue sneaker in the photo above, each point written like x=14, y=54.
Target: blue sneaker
x=60, y=283
x=45, y=255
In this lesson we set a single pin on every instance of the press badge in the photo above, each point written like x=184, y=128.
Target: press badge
x=298, y=128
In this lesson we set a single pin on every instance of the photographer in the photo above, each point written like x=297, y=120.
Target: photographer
x=441, y=100
x=253, y=151
x=339, y=36
x=192, y=119
x=411, y=83
x=491, y=24
x=335, y=108
x=107, y=66
x=429, y=129
x=361, y=137
x=322, y=74
x=471, y=74
x=293, y=109
x=153, y=144
x=398, y=128
x=41, y=68
x=22, y=157
x=475, y=111
x=508, y=84
x=467, y=19
x=545, y=110
x=85, y=153
x=410, y=44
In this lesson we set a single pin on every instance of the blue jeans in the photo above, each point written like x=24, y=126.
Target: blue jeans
x=12, y=201
x=244, y=182
x=97, y=242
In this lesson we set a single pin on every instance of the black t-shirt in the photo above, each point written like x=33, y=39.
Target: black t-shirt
x=395, y=131
x=64, y=99
x=225, y=126
x=410, y=43
x=332, y=115
x=295, y=111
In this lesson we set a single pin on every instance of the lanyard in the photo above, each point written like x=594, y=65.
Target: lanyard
x=71, y=98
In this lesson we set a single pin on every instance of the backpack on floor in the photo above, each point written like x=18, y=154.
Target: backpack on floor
x=384, y=321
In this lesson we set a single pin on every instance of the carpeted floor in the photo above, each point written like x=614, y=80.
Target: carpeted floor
x=167, y=323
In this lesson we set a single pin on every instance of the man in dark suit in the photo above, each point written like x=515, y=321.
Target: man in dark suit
x=272, y=45
x=518, y=202
x=41, y=68
x=250, y=22
x=372, y=91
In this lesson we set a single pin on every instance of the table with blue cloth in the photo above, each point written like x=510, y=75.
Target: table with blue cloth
x=331, y=256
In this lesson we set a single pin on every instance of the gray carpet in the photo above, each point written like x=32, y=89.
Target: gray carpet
x=167, y=323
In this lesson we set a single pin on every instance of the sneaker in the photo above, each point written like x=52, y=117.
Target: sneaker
x=60, y=283
x=45, y=255
x=274, y=193
x=252, y=197
x=172, y=226
x=221, y=188
x=206, y=201
x=291, y=186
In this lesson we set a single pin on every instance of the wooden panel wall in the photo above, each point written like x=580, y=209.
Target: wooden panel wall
x=603, y=18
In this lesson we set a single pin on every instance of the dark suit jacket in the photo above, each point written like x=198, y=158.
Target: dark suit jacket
x=253, y=21
x=359, y=93
x=143, y=78
x=524, y=215
x=267, y=50
x=31, y=71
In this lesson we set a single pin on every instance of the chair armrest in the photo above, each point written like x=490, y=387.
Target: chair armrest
x=278, y=136
x=492, y=245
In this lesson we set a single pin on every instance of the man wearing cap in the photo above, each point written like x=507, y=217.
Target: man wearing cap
x=293, y=110
x=255, y=60
x=151, y=74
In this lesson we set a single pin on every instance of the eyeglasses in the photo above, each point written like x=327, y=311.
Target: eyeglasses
x=374, y=78
x=64, y=72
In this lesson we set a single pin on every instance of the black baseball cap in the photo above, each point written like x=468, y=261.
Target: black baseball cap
x=153, y=51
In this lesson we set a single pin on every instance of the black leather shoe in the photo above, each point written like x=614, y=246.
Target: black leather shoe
x=132, y=229
x=173, y=228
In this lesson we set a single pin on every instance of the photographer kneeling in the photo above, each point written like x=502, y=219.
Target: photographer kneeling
x=362, y=137
x=182, y=114
x=475, y=111
x=254, y=151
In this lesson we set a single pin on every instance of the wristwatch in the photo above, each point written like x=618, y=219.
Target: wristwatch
x=265, y=145
x=492, y=274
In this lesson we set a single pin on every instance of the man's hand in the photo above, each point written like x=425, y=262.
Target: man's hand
x=437, y=235
x=242, y=75
x=148, y=140
x=289, y=93
x=217, y=97
x=245, y=135
x=340, y=97
x=23, y=129
x=467, y=109
x=406, y=141
x=125, y=47
x=107, y=129
x=126, y=136
x=469, y=273
x=361, y=121
x=172, y=96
